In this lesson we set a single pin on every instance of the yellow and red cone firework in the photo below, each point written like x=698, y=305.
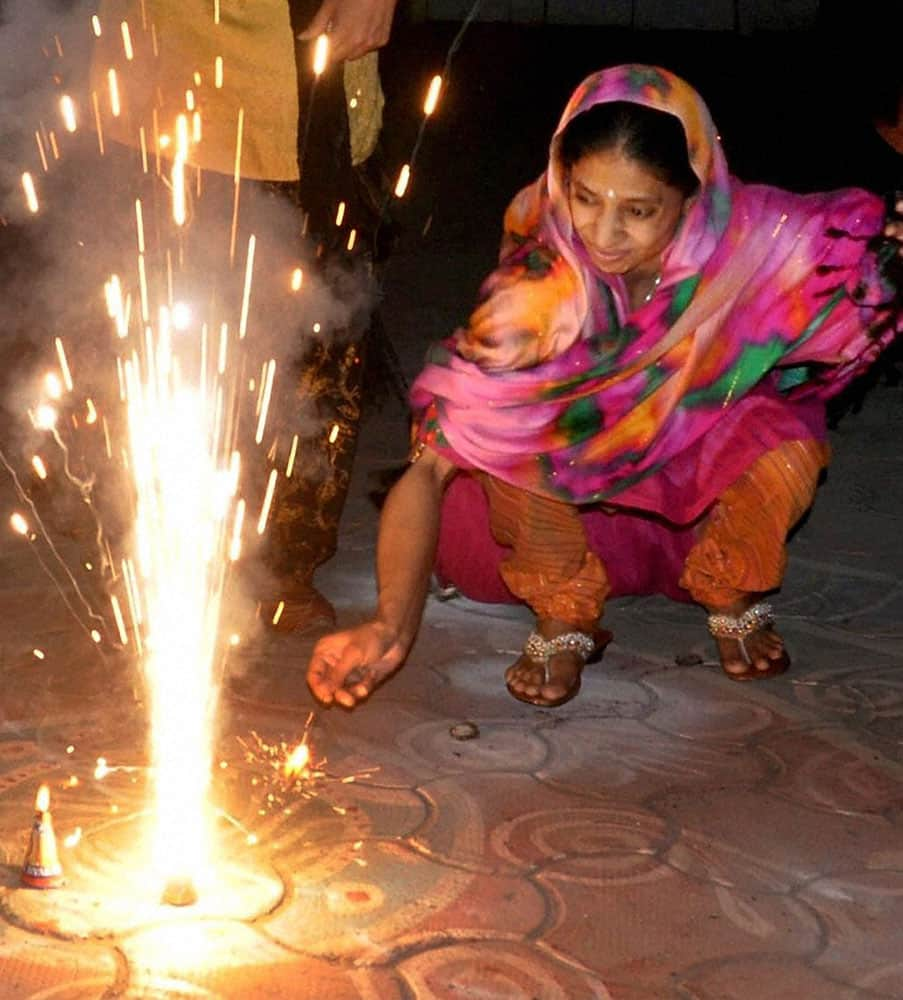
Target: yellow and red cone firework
x=42, y=868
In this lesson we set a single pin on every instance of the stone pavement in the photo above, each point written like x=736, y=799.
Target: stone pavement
x=668, y=834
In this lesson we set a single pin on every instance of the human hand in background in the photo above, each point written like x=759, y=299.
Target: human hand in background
x=355, y=27
x=345, y=667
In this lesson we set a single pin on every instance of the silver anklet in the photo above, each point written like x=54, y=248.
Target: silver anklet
x=758, y=616
x=541, y=650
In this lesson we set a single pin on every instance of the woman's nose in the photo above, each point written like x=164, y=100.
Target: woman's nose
x=606, y=227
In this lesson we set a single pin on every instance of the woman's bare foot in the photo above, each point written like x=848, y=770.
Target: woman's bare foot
x=556, y=679
x=759, y=654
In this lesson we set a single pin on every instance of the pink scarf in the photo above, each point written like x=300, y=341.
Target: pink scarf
x=768, y=299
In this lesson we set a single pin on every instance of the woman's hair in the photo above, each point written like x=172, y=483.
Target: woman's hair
x=653, y=138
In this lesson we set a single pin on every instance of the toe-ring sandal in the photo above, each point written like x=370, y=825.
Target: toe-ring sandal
x=757, y=617
x=540, y=650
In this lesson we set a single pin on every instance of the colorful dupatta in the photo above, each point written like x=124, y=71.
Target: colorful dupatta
x=768, y=299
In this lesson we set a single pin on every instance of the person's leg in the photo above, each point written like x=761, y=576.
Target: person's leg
x=324, y=412
x=740, y=554
x=551, y=568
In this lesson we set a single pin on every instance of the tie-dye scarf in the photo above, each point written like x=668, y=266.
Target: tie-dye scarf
x=768, y=300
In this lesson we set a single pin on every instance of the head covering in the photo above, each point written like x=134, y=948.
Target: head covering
x=766, y=297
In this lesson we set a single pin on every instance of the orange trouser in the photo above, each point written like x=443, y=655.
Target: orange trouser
x=740, y=548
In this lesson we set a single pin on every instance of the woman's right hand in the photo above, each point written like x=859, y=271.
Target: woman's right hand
x=345, y=667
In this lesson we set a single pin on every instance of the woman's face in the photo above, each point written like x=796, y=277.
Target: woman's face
x=622, y=212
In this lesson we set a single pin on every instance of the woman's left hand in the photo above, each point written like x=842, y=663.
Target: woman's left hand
x=894, y=228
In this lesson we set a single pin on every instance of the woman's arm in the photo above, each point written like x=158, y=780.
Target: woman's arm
x=346, y=666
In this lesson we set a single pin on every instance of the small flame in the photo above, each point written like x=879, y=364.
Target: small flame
x=340, y=214
x=334, y=434
x=73, y=838
x=37, y=463
x=95, y=25
x=297, y=279
x=42, y=799
x=101, y=770
x=38, y=654
x=218, y=73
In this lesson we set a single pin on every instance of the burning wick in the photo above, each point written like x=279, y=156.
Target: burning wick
x=42, y=868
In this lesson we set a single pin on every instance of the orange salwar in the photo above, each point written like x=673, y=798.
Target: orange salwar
x=740, y=547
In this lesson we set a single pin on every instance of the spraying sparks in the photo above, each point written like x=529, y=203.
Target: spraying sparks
x=45, y=417
x=127, y=41
x=321, y=54
x=432, y=95
x=67, y=110
x=31, y=195
x=19, y=524
x=113, y=84
x=175, y=429
x=404, y=177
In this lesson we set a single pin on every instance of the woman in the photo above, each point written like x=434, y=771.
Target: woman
x=656, y=347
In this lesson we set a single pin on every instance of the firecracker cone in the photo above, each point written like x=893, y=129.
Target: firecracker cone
x=42, y=868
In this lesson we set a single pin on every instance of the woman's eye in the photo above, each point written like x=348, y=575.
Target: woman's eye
x=637, y=212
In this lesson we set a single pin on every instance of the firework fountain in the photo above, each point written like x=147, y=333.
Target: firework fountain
x=193, y=394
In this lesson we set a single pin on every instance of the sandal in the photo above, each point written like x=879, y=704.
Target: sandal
x=540, y=650
x=752, y=620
